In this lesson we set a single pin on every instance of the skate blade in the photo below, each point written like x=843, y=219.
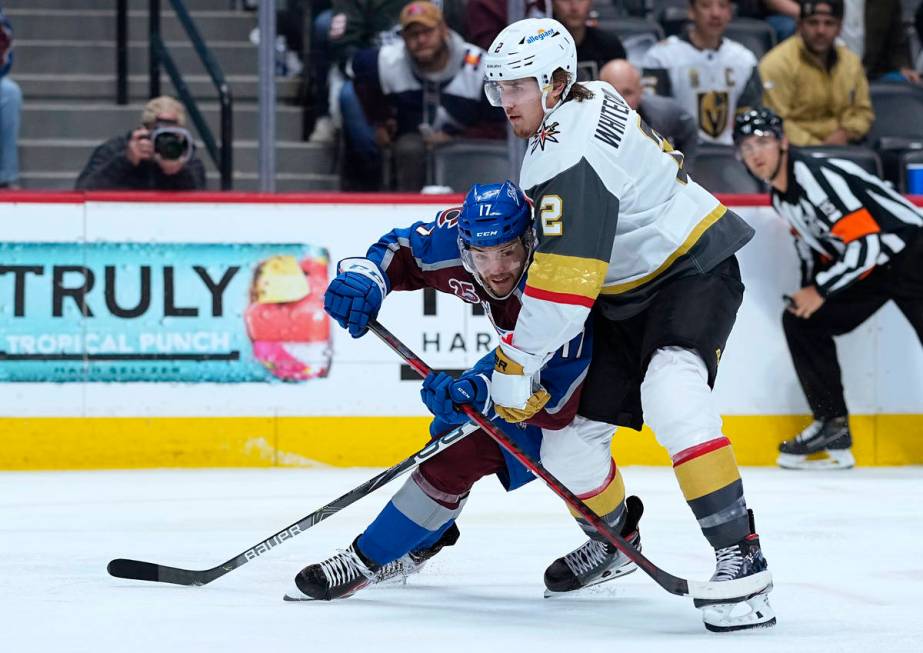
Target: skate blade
x=752, y=613
x=828, y=459
x=618, y=573
x=295, y=594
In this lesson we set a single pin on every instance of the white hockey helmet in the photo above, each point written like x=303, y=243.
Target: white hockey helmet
x=533, y=47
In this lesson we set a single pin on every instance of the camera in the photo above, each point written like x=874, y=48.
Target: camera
x=172, y=142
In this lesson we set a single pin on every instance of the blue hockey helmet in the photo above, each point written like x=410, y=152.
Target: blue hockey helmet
x=493, y=219
x=493, y=214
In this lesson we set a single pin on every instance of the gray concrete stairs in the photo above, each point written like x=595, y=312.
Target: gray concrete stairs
x=66, y=63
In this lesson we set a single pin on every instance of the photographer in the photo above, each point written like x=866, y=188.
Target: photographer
x=10, y=109
x=159, y=155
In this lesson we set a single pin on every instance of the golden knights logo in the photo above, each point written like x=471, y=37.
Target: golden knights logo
x=713, y=112
x=545, y=134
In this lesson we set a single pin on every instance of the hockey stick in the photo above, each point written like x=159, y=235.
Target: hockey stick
x=709, y=590
x=139, y=570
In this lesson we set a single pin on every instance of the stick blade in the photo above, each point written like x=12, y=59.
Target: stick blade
x=140, y=570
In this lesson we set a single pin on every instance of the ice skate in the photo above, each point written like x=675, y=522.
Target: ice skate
x=824, y=444
x=337, y=577
x=595, y=561
x=347, y=572
x=737, y=561
x=414, y=561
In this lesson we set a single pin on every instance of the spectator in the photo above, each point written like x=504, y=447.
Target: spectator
x=875, y=32
x=663, y=114
x=780, y=14
x=486, y=18
x=594, y=46
x=712, y=77
x=158, y=155
x=338, y=34
x=423, y=91
x=10, y=109
x=860, y=245
x=816, y=85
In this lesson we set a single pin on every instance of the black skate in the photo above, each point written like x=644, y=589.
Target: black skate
x=336, y=577
x=742, y=560
x=824, y=444
x=344, y=574
x=595, y=561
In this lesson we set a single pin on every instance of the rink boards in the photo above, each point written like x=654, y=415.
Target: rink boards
x=146, y=332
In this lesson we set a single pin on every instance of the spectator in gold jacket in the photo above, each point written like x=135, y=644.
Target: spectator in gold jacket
x=817, y=86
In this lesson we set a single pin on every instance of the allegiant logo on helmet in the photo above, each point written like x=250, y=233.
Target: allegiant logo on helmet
x=542, y=35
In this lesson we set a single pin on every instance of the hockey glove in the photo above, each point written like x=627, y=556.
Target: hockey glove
x=533, y=405
x=516, y=395
x=442, y=394
x=352, y=299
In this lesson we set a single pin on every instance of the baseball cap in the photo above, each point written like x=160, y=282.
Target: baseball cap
x=425, y=13
x=825, y=7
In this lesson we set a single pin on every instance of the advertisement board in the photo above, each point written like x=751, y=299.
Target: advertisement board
x=198, y=324
x=170, y=312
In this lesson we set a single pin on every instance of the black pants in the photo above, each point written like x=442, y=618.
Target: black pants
x=810, y=341
x=695, y=312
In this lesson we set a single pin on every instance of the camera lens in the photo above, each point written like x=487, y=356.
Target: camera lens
x=170, y=146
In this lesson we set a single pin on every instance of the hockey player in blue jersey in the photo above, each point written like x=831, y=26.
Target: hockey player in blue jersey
x=479, y=253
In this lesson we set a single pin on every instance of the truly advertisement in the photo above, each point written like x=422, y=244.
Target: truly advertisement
x=166, y=312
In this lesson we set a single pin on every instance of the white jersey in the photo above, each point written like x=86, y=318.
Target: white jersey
x=617, y=218
x=713, y=85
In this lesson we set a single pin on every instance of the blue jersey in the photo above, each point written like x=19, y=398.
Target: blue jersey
x=426, y=255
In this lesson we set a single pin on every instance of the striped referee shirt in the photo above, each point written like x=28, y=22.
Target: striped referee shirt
x=842, y=214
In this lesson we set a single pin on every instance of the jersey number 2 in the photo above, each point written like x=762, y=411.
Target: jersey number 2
x=552, y=213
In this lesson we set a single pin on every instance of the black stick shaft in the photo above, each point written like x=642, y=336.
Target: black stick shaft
x=140, y=570
x=669, y=582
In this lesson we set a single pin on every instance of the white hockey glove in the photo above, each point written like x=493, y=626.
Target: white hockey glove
x=517, y=396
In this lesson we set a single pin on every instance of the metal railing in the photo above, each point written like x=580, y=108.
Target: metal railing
x=159, y=56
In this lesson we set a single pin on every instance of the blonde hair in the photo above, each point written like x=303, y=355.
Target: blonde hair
x=163, y=104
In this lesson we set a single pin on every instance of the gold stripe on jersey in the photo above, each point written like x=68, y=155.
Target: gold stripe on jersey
x=697, y=231
x=607, y=500
x=567, y=275
x=707, y=473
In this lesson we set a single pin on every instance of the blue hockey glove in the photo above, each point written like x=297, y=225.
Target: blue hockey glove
x=442, y=394
x=352, y=299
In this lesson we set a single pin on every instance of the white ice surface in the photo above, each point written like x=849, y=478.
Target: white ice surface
x=844, y=548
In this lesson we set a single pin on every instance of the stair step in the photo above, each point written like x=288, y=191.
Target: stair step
x=73, y=57
x=285, y=182
x=39, y=87
x=135, y=5
x=100, y=24
x=53, y=155
x=98, y=122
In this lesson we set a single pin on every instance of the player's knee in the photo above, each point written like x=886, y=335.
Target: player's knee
x=580, y=455
x=677, y=400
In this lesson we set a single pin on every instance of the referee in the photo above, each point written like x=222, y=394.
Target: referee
x=860, y=245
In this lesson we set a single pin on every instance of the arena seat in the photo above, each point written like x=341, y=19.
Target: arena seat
x=718, y=169
x=755, y=35
x=864, y=157
x=461, y=163
x=898, y=125
x=629, y=26
x=898, y=112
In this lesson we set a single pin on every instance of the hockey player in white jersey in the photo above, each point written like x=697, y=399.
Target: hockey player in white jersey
x=627, y=239
x=713, y=77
